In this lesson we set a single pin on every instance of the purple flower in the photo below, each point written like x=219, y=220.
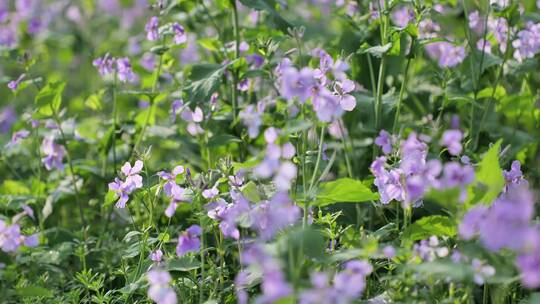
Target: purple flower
x=451, y=139
x=176, y=108
x=179, y=34
x=482, y=271
x=470, y=224
x=327, y=106
x=122, y=191
x=384, y=140
x=403, y=16
x=170, y=180
x=527, y=43
x=10, y=237
x=104, y=65
x=14, y=84
x=483, y=45
x=152, y=29
x=506, y=224
x=148, y=61
x=189, y=241
x=341, y=89
x=476, y=23
x=297, y=84
x=132, y=181
x=455, y=175
x=389, y=252
x=528, y=264
x=7, y=118
x=210, y=193
x=271, y=216
x=54, y=154
x=514, y=177
x=156, y=256
x=251, y=116
x=160, y=292
x=16, y=137
x=125, y=73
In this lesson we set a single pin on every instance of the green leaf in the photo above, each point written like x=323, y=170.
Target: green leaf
x=425, y=227
x=34, y=291
x=49, y=98
x=269, y=7
x=376, y=51
x=344, y=190
x=489, y=178
x=11, y=187
x=208, y=82
x=251, y=192
x=182, y=264
x=499, y=93
x=223, y=140
x=309, y=241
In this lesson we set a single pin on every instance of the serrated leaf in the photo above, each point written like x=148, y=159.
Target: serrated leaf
x=425, y=227
x=489, y=178
x=344, y=190
x=207, y=83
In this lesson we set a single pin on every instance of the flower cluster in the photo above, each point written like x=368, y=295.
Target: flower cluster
x=121, y=66
x=313, y=83
x=412, y=175
x=347, y=286
x=160, y=290
x=507, y=224
x=10, y=234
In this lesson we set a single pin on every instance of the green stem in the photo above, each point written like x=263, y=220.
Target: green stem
x=236, y=56
x=319, y=157
x=402, y=89
x=71, y=170
x=150, y=107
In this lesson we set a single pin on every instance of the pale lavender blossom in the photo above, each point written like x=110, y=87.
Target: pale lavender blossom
x=210, y=193
x=180, y=35
x=54, y=153
x=125, y=72
x=342, y=90
x=483, y=46
x=189, y=240
x=384, y=140
x=527, y=44
x=7, y=118
x=104, y=65
x=482, y=271
x=156, y=256
x=271, y=216
x=16, y=137
x=152, y=29
x=389, y=252
x=297, y=84
x=170, y=185
x=251, y=116
x=403, y=16
x=14, y=84
x=514, y=177
x=451, y=139
x=160, y=290
x=528, y=263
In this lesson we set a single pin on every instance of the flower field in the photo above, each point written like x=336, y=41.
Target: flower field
x=269, y=151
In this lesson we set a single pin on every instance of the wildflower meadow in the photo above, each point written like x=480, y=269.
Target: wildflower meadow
x=270, y=151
